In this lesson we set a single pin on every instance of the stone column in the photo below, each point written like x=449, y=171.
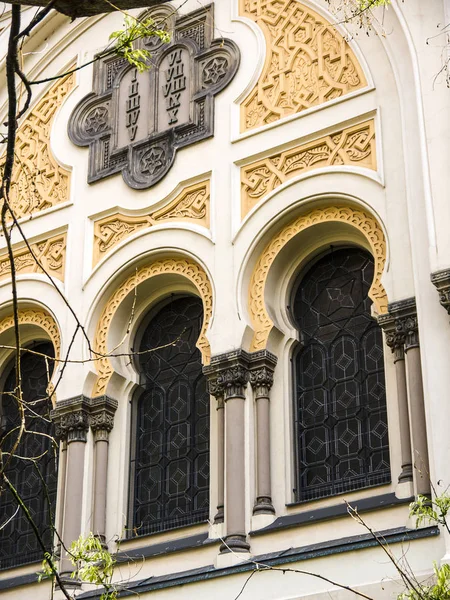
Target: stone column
x=407, y=325
x=261, y=368
x=395, y=339
x=101, y=421
x=217, y=391
x=72, y=423
x=232, y=378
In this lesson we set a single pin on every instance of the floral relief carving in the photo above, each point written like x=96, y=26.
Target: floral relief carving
x=51, y=253
x=307, y=62
x=183, y=266
x=365, y=223
x=351, y=146
x=42, y=319
x=49, y=183
x=191, y=205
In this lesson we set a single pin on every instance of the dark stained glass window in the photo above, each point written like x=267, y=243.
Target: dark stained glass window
x=170, y=454
x=33, y=469
x=340, y=402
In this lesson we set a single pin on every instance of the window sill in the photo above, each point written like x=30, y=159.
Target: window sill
x=331, y=512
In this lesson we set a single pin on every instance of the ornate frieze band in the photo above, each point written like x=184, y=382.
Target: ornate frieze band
x=307, y=62
x=191, y=205
x=51, y=254
x=32, y=316
x=364, y=222
x=354, y=146
x=38, y=182
x=181, y=266
x=134, y=122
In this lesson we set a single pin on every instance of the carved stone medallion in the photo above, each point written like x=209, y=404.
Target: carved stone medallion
x=135, y=122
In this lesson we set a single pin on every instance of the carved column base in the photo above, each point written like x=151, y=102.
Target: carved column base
x=263, y=506
x=219, y=518
x=234, y=543
x=406, y=474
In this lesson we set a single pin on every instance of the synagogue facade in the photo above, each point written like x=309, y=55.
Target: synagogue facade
x=234, y=279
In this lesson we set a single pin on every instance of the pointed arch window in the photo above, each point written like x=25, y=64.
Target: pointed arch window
x=169, y=474
x=33, y=468
x=340, y=399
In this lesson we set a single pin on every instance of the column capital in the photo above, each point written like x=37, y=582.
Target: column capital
x=406, y=323
x=441, y=281
x=71, y=418
x=395, y=337
x=261, y=368
x=101, y=417
x=229, y=373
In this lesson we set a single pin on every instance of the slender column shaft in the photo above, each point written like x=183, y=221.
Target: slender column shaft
x=100, y=482
x=60, y=498
x=263, y=449
x=262, y=365
x=235, y=474
x=418, y=422
x=219, y=518
x=73, y=497
x=403, y=413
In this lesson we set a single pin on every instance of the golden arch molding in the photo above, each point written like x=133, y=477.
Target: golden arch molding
x=185, y=267
x=363, y=221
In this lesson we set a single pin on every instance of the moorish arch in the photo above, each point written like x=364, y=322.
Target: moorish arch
x=181, y=266
x=365, y=223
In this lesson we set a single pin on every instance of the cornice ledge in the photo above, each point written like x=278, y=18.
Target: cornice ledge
x=441, y=281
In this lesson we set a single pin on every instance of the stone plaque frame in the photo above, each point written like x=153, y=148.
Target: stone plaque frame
x=135, y=122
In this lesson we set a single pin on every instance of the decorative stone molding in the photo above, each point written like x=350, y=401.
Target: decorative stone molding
x=42, y=319
x=353, y=146
x=261, y=368
x=181, y=266
x=394, y=336
x=364, y=222
x=134, y=123
x=71, y=418
x=101, y=417
x=231, y=373
x=191, y=205
x=441, y=280
x=307, y=62
x=38, y=182
x=406, y=324
x=51, y=253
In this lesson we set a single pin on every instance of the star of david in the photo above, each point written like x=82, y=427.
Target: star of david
x=135, y=123
x=153, y=161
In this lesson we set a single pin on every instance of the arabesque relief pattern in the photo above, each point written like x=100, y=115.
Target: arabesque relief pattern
x=191, y=205
x=183, y=266
x=51, y=254
x=364, y=222
x=307, y=62
x=354, y=146
x=32, y=316
x=38, y=182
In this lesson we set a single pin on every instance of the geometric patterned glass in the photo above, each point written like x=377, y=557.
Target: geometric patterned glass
x=33, y=468
x=170, y=466
x=340, y=399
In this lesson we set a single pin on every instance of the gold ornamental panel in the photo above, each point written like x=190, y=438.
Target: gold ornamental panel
x=50, y=253
x=364, y=222
x=38, y=182
x=191, y=205
x=307, y=62
x=352, y=146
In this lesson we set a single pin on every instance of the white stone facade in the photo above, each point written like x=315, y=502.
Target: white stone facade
x=400, y=185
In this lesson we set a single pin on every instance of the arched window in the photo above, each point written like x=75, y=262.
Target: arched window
x=340, y=402
x=170, y=449
x=33, y=468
